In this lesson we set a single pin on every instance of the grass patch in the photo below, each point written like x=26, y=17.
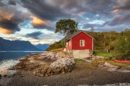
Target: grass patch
x=106, y=55
x=79, y=60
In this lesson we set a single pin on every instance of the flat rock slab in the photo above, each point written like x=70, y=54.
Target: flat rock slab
x=123, y=70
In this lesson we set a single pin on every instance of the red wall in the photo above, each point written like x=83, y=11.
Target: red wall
x=82, y=36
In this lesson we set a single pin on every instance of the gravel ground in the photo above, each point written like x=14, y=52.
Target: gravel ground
x=83, y=75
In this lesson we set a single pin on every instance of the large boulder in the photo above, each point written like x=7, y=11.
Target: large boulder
x=47, y=63
x=41, y=70
x=62, y=65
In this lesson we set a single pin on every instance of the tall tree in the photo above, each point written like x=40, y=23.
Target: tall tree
x=66, y=26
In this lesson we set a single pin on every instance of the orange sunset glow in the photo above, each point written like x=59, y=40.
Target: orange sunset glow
x=5, y=31
x=38, y=22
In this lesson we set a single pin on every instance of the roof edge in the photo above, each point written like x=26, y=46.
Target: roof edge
x=80, y=32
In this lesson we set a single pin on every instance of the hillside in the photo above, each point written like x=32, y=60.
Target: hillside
x=108, y=44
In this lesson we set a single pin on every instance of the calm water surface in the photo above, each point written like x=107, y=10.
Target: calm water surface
x=8, y=55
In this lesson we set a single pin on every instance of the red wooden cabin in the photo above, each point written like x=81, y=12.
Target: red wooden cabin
x=80, y=44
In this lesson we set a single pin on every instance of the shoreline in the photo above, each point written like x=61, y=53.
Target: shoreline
x=77, y=77
x=97, y=73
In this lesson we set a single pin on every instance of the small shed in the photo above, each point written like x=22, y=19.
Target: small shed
x=79, y=44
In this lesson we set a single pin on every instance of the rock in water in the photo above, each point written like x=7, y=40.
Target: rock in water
x=62, y=65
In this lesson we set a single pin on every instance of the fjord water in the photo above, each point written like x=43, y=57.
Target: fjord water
x=10, y=58
x=7, y=55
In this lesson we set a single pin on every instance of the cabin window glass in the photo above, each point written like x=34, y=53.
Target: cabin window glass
x=82, y=43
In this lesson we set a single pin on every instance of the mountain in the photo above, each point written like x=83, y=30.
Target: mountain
x=17, y=45
x=42, y=46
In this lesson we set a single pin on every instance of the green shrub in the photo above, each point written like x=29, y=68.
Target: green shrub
x=56, y=45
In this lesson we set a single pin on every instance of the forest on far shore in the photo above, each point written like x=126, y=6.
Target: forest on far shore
x=113, y=45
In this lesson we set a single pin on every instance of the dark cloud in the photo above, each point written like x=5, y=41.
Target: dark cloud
x=8, y=21
x=122, y=5
x=10, y=25
x=2, y=4
x=10, y=17
x=42, y=10
x=34, y=35
x=121, y=15
x=120, y=20
x=88, y=6
x=91, y=25
x=12, y=2
x=107, y=28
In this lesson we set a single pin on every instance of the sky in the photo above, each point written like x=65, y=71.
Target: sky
x=34, y=20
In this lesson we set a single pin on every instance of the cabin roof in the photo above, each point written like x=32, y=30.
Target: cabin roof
x=69, y=37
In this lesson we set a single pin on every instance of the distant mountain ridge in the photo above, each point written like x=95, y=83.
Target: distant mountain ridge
x=17, y=45
x=42, y=47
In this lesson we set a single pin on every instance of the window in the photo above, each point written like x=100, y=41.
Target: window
x=82, y=43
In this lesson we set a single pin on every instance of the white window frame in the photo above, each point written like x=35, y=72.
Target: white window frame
x=82, y=43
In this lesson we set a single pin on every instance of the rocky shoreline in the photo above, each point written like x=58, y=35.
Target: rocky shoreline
x=52, y=63
x=46, y=64
x=61, y=69
x=43, y=64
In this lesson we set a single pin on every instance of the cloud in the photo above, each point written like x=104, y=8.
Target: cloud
x=42, y=10
x=14, y=12
x=10, y=17
x=122, y=5
x=121, y=14
x=5, y=31
x=52, y=10
x=34, y=35
x=12, y=2
x=39, y=23
x=120, y=20
x=87, y=6
x=9, y=26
